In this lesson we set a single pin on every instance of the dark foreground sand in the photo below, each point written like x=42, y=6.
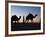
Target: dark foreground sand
x=25, y=26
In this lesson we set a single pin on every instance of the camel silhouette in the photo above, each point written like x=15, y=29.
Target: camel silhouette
x=15, y=18
x=30, y=17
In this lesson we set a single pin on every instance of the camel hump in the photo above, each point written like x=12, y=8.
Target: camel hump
x=30, y=15
x=14, y=16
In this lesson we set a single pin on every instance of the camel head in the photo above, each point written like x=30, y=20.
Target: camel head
x=35, y=15
x=19, y=17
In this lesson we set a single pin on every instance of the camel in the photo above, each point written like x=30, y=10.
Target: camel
x=15, y=19
x=30, y=17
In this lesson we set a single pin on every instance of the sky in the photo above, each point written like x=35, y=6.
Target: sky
x=25, y=10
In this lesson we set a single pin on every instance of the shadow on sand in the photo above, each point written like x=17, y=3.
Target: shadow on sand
x=25, y=26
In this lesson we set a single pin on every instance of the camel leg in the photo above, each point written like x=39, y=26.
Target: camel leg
x=27, y=21
x=17, y=21
x=31, y=21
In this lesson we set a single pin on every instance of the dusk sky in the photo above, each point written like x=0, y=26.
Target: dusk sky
x=25, y=10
